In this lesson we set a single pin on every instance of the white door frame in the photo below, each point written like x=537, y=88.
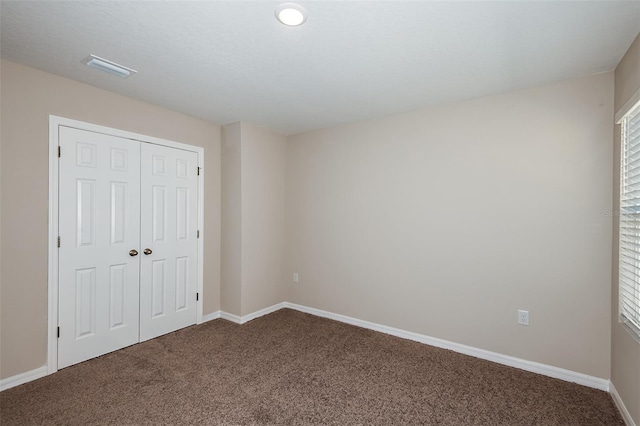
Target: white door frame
x=54, y=123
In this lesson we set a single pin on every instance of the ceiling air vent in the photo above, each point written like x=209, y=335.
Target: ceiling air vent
x=107, y=66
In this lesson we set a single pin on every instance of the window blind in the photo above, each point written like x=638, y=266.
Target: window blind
x=629, y=263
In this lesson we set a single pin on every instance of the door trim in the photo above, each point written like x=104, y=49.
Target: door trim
x=52, y=279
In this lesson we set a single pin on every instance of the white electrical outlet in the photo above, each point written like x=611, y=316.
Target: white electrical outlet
x=296, y=278
x=523, y=317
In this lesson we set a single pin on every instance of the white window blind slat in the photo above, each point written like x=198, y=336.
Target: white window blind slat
x=628, y=277
x=633, y=181
x=629, y=260
x=629, y=227
x=632, y=153
x=633, y=303
x=626, y=266
x=633, y=252
x=633, y=162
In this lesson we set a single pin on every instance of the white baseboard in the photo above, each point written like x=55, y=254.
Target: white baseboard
x=230, y=317
x=262, y=312
x=620, y=404
x=246, y=318
x=535, y=367
x=22, y=378
x=211, y=316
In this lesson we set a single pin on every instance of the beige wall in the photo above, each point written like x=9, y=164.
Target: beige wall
x=253, y=213
x=231, y=260
x=263, y=218
x=625, y=351
x=445, y=221
x=28, y=98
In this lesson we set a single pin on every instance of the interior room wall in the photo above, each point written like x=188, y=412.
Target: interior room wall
x=253, y=212
x=625, y=350
x=445, y=221
x=231, y=243
x=28, y=98
x=263, y=218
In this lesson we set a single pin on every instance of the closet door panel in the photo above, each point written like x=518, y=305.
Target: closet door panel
x=99, y=225
x=168, y=274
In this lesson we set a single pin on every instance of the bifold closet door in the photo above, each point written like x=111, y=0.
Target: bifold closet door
x=99, y=227
x=169, y=218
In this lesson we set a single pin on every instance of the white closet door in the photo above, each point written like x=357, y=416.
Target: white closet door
x=168, y=268
x=99, y=226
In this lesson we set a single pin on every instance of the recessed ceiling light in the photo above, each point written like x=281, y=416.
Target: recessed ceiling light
x=110, y=67
x=291, y=14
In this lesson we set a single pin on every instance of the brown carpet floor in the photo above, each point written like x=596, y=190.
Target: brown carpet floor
x=291, y=368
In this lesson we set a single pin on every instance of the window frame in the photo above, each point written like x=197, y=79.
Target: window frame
x=629, y=313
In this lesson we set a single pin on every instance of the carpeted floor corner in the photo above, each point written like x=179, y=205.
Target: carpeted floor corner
x=290, y=368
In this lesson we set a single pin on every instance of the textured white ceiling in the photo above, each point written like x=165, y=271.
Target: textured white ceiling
x=230, y=61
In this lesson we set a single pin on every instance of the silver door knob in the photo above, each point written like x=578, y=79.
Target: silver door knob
x=148, y=251
x=133, y=252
